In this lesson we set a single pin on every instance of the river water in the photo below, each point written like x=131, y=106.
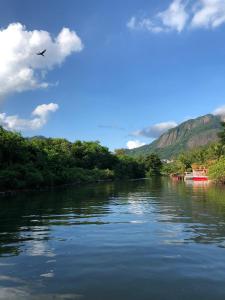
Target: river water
x=149, y=239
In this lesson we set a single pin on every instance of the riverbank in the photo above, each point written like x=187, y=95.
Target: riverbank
x=4, y=193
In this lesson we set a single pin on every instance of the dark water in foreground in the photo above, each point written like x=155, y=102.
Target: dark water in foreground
x=150, y=239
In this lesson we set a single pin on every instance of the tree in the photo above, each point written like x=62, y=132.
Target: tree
x=217, y=171
x=120, y=152
x=185, y=162
x=127, y=167
x=221, y=134
x=152, y=164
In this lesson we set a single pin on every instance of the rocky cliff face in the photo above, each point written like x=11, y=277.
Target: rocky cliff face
x=186, y=129
x=188, y=135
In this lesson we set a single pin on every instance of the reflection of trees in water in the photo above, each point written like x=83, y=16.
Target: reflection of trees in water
x=201, y=208
x=27, y=218
x=198, y=211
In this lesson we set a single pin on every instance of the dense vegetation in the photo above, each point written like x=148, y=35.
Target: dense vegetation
x=40, y=162
x=211, y=157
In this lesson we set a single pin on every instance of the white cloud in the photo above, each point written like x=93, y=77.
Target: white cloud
x=173, y=18
x=220, y=111
x=156, y=130
x=43, y=110
x=209, y=13
x=143, y=24
x=132, y=23
x=40, y=118
x=20, y=68
x=182, y=14
x=134, y=144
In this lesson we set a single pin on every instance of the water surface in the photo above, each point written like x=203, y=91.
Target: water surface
x=150, y=239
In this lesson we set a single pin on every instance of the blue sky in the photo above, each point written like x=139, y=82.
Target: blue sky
x=140, y=63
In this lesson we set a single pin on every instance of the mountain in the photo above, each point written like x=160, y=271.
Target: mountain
x=186, y=136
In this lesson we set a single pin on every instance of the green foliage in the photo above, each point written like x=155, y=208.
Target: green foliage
x=175, y=167
x=120, y=152
x=221, y=134
x=210, y=156
x=127, y=167
x=92, y=155
x=38, y=162
x=217, y=170
x=152, y=165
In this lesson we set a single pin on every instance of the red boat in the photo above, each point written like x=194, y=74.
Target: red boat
x=200, y=174
x=200, y=178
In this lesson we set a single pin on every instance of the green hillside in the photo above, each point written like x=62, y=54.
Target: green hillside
x=188, y=135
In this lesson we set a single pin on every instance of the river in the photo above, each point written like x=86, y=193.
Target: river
x=148, y=239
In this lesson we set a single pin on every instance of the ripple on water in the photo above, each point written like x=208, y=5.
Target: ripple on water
x=152, y=239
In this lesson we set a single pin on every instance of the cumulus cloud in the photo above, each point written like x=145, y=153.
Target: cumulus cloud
x=209, y=13
x=156, y=130
x=40, y=117
x=134, y=144
x=20, y=68
x=182, y=14
x=173, y=18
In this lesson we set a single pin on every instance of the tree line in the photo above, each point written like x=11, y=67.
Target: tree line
x=42, y=162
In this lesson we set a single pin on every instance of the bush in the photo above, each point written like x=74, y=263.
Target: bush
x=217, y=171
x=11, y=179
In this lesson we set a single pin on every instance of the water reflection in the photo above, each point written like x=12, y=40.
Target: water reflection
x=78, y=237
x=27, y=222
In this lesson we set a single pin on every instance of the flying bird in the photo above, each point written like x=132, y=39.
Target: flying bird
x=41, y=53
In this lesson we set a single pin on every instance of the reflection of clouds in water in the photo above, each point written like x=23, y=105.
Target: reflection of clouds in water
x=38, y=246
x=25, y=294
x=172, y=234
x=50, y=261
x=175, y=256
x=139, y=204
x=12, y=293
x=9, y=278
x=138, y=222
x=48, y=275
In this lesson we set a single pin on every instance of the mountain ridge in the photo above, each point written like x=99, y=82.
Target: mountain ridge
x=188, y=135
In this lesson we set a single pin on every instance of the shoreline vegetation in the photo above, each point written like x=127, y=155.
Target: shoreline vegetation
x=38, y=162
x=210, y=157
x=41, y=163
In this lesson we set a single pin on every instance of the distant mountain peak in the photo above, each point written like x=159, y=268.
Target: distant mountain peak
x=188, y=135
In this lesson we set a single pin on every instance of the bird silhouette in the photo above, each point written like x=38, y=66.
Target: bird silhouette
x=41, y=53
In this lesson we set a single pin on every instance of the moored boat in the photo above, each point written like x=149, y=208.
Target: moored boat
x=200, y=174
x=200, y=178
